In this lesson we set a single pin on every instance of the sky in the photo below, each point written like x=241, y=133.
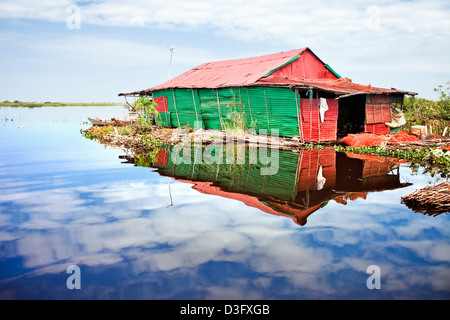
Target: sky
x=90, y=51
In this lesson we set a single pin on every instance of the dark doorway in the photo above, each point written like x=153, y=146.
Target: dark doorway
x=352, y=114
x=349, y=173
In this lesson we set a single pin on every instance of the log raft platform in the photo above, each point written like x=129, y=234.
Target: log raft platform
x=431, y=200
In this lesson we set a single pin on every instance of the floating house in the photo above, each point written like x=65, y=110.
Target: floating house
x=294, y=92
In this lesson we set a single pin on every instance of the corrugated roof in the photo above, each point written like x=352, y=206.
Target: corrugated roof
x=257, y=71
x=230, y=73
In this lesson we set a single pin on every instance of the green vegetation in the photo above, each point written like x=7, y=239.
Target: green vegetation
x=137, y=129
x=312, y=145
x=420, y=111
x=146, y=110
x=146, y=147
x=236, y=121
x=17, y=103
x=97, y=132
x=146, y=155
x=148, y=159
x=141, y=130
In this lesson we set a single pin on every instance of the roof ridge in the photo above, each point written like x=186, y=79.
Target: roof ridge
x=253, y=58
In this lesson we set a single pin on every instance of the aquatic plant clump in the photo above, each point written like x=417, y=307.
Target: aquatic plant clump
x=141, y=139
x=137, y=129
x=97, y=132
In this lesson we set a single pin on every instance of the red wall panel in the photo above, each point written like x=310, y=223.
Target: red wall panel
x=377, y=114
x=313, y=129
x=162, y=104
x=378, y=129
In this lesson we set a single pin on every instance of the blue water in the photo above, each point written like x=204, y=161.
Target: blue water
x=66, y=200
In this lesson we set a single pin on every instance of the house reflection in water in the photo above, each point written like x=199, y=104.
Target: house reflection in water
x=305, y=181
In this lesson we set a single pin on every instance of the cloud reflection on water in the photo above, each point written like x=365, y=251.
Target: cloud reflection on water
x=72, y=202
x=126, y=225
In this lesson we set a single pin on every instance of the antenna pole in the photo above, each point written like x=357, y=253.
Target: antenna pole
x=170, y=61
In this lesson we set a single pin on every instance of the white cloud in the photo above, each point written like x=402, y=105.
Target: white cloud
x=126, y=221
x=289, y=20
x=49, y=10
x=390, y=43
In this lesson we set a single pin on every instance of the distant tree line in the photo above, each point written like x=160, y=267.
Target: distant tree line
x=420, y=111
x=17, y=103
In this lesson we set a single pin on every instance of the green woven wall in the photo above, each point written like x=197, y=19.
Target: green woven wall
x=263, y=108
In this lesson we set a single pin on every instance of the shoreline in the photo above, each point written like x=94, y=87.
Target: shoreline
x=431, y=152
x=173, y=136
x=21, y=104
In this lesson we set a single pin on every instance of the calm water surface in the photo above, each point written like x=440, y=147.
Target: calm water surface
x=204, y=231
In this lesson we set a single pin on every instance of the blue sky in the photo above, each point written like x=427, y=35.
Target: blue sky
x=89, y=51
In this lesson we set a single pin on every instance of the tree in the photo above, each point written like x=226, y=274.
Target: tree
x=443, y=104
x=146, y=109
x=420, y=110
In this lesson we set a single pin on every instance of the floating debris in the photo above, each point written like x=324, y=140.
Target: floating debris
x=431, y=200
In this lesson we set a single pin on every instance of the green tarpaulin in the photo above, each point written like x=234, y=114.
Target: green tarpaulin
x=261, y=108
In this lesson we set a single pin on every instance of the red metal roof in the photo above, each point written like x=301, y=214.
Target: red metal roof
x=278, y=69
x=299, y=216
x=229, y=73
